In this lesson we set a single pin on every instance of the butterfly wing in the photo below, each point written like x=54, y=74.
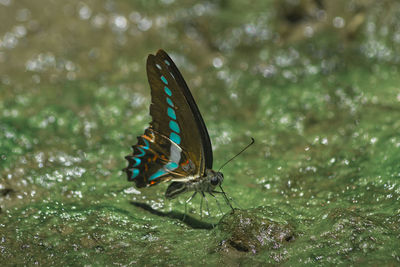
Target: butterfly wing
x=205, y=144
x=155, y=159
x=176, y=146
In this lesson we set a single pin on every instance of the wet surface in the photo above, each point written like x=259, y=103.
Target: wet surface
x=314, y=82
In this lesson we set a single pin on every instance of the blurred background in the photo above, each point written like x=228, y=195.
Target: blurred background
x=315, y=82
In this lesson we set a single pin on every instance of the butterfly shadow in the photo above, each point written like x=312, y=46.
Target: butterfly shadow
x=186, y=219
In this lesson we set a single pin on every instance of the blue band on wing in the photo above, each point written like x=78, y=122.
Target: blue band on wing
x=167, y=91
x=157, y=174
x=147, y=144
x=164, y=80
x=169, y=101
x=175, y=138
x=171, y=113
x=135, y=172
x=174, y=126
x=142, y=152
x=171, y=166
x=137, y=162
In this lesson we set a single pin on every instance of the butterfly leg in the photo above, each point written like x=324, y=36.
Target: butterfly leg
x=201, y=208
x=230, y=198
x=226, y=198
x=186, y=202
x=208, y=209
x=216, y=200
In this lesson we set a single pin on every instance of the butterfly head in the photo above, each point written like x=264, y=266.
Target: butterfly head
x=215, y=178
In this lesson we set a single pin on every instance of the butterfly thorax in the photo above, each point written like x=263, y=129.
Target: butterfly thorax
x=206, y=183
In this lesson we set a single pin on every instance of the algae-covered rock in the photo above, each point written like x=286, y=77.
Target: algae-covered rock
x=262, y=228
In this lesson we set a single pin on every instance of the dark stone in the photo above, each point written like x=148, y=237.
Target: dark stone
x=262, y=228
x=6, y=191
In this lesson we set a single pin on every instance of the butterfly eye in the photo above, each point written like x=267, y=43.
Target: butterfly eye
x=214, y=180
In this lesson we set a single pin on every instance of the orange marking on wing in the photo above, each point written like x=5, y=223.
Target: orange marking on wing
x=185, y=163
x=148, y=138
x=146, y=168
x=155, y=157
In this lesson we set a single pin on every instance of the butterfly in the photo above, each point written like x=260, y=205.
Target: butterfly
x=176, y=146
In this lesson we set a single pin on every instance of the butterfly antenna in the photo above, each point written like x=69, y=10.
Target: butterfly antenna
x=241, y=151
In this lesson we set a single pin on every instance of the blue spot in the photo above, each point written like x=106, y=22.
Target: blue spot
x=158, y=66
x=167, y=91
x=157, y=174
x=166, y=62
x=142, y=152
x=171, y=166
x=147, y=144
x=175, y=138
x=174, y=126
x=171, y=113
x=135, y=172
x=137, y=162
x=164, y=80
x=169, y=101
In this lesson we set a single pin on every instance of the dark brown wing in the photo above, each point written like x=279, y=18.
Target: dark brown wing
x=172, y=103
x=176, y=146
x=155, y=159
x=201, y=126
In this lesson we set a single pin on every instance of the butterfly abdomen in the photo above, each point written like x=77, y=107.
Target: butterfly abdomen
x=202, y=184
